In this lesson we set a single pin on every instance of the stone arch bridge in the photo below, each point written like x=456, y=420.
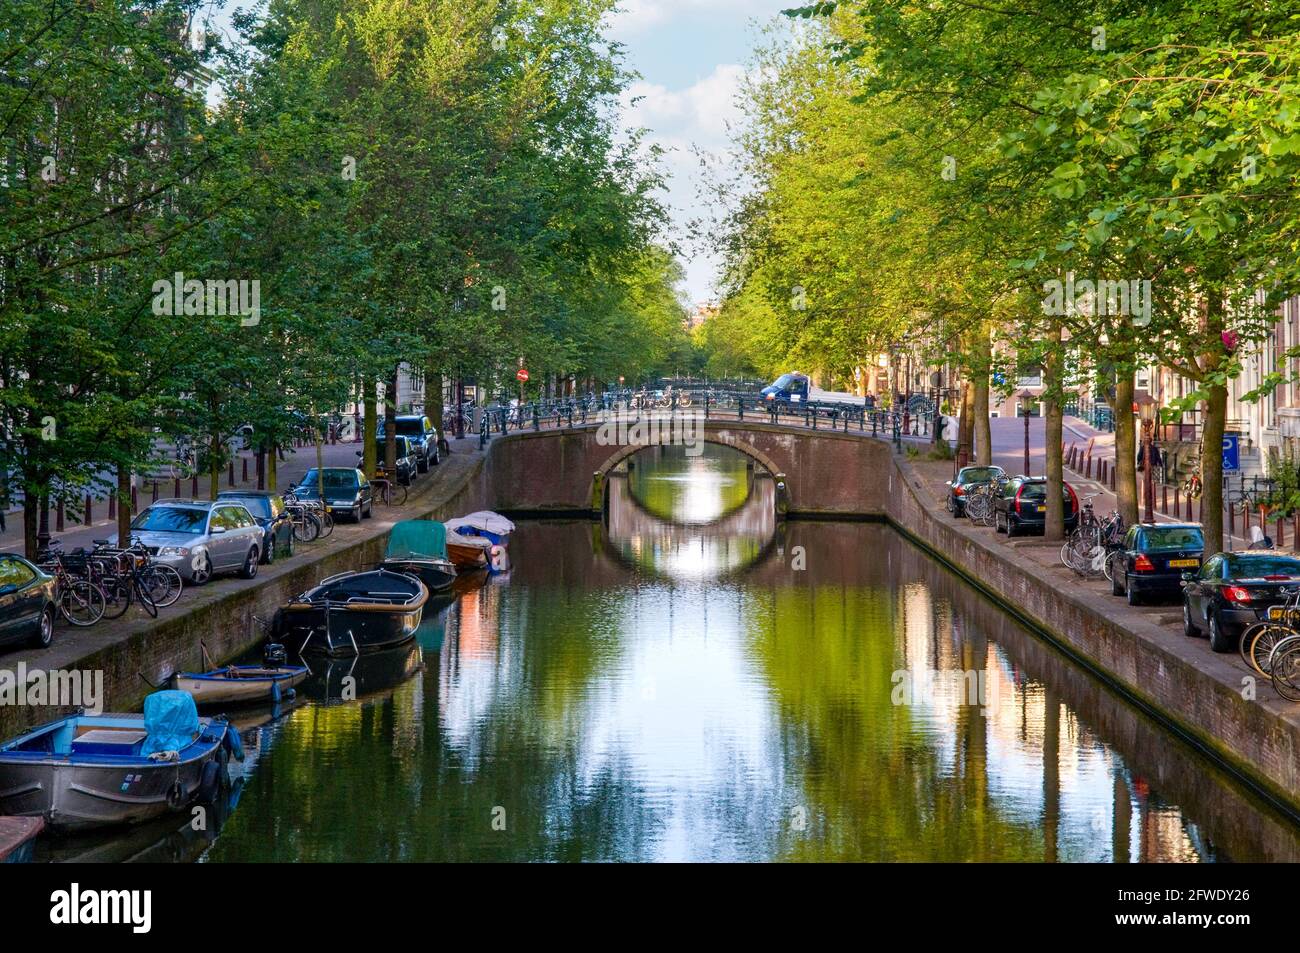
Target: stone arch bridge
x=818, y=472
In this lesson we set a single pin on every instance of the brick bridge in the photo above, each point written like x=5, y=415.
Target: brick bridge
x=818, y=472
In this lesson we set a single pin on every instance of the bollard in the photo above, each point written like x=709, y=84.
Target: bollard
x=89, y=516
x=1281, y=534
x=231, y=476
x=112, y=504
x=194, y=486
x=1178, y=506
x=244, y=478
x=155, y=491
x=176, y=487
x=1164, y=499
x=135, y=500
x=58, y=517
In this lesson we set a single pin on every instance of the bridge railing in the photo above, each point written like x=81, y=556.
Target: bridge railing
x=586, y=409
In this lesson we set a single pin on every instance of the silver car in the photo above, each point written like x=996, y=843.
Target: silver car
x=199, y=538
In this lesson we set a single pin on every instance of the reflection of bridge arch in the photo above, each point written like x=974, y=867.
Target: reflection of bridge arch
x=722, y=544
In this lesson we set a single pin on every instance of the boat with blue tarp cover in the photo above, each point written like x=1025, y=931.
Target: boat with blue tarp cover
x=419, y=548
x=87, y=771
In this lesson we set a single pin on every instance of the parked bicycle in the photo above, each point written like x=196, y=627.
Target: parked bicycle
x=80, y=601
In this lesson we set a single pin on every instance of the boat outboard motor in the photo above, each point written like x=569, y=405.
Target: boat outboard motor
x=274, y=655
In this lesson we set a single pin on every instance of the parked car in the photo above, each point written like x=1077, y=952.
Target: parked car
x=968, y=478
x=423, y=435
x=199, y=538
x=268, y=509
x=1153, y=559
x=346, y=491
x=789, y=388
x=407, y=461
x=27, y=606
x=1234, y=590
x=1022, y=506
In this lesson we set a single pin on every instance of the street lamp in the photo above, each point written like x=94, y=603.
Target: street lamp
x=1027, y=398
x=1147, y=412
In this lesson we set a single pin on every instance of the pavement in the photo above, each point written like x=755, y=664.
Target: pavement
x=297, y=461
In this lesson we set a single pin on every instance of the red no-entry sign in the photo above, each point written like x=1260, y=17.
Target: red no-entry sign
x=522, y=374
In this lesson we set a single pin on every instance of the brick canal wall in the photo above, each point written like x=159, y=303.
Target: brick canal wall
x=221, y=614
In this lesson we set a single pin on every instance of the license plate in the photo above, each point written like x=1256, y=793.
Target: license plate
x=1184, y=563
x=1042, y=509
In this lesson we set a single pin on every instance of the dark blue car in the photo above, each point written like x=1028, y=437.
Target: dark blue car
x=787, y=389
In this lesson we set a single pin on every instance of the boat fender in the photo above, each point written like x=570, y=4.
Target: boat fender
x=233, y=743
x=275, y=693
x=176, y=795
x=209, y=783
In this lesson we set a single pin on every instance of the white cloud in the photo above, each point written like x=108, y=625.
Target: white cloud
x=700, y=113
x=634, y=17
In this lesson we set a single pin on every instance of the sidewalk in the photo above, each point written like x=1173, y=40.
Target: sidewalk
x=297, y=461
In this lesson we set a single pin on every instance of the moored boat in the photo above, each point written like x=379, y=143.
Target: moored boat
x=353, y=612
x=490, y=526
x=241, y=684
x=87, y=771
x=479, y=540
x=419, y=548
x=468, y=553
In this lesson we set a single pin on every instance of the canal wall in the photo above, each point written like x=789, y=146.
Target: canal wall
x=1204, y=697
x=223, y=614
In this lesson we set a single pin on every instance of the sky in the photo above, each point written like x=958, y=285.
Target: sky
x=692, y=57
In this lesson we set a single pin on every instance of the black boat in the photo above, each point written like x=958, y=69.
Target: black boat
x=352, y=612
x=419, y=548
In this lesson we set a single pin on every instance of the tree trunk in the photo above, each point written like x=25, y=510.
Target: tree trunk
x=124, y=513
x=390, y=425
x=369, y=427
x=31, y=519
x=214, y=466
x=272, y=457
x=1215, y=417
x=966, y=424
x=983, y=435
x=1126, y=489
x=1054, y=527
x=433, y=398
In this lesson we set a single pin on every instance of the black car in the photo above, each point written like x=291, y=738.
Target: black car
x=407, y=461
x=346, y=491
x=423, y=436
x=967, y=479
x=1022, y=505
x=268, y=509
x=1234, y=590
x=1153, y=558
x=26, y=603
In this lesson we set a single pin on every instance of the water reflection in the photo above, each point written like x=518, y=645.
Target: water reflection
x=599, y=709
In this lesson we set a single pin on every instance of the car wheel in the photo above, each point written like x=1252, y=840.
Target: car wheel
x=1189, y=628
x=368, y=512
x=423, y=465
x=268, y=557
x=948, y=505
x=1131, y=594
x=437, y=456
x=289, y=550
x=203, y=571
x=45, y=631
x=1116, y=589
x=1219, y=640
x=250, y=563
x=1013, y=528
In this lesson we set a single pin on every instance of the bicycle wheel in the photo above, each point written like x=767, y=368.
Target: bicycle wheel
x=1286, y=672
x=164, y=585
x=81, y=602
x=141, y=592
x=117, y=597
x=306, y=528
x=1260, y=641
x=397, y=495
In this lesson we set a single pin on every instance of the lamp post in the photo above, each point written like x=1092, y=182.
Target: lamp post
x=1147, y=413
x=1026, y=401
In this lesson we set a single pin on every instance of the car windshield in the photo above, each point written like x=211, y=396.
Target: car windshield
x=979, y=474
x=1173, y=537
x=171, y=519
x=410, y=427
x=785, y=380
x=1250, y=566
x=259, y=506
x=1038, y=491
x=334, y=480
x=403, y=447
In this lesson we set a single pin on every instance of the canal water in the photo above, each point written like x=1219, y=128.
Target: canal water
x=689, y=679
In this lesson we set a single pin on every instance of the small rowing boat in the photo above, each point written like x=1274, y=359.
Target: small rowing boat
x=269, y=682
x=353, y=612
x=18, y=838
x=479, y=540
